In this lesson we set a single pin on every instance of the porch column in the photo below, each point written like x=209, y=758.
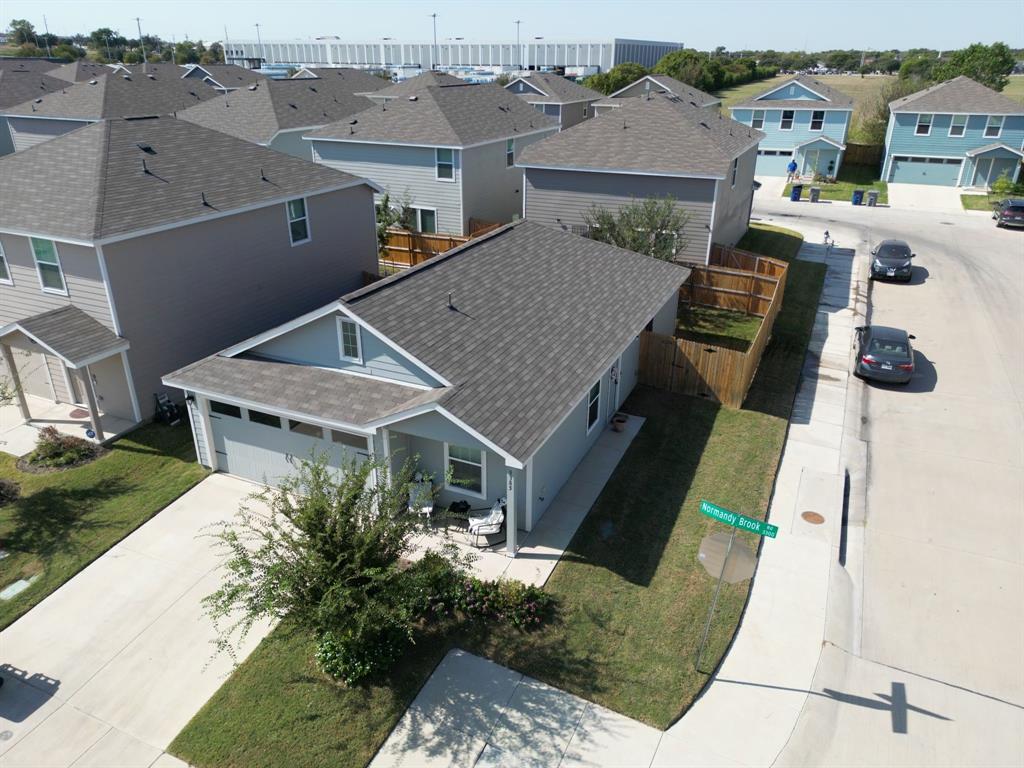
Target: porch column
x=19, y=394
x=511, y=521
x=85, y=377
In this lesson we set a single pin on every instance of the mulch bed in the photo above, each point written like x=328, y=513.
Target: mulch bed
x=33, y=469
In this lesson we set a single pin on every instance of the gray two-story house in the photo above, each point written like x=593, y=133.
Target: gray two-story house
x=447, y=152
x=494, y=367
x=165, y=242
x=557, y=97
x=651, y=147
x=18, y=84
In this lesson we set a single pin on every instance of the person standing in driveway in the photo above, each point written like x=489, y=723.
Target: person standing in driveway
x=791, y=171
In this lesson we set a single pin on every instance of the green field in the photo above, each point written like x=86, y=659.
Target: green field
x=1015, y=88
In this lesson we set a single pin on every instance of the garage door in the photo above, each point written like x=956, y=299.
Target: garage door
x=772, y=162
x=939, y=171
x=267, y=448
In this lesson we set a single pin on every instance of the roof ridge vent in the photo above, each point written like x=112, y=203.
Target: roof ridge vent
x=254, y=86
x=93, y=81
x=126, y=76
x=151, y=76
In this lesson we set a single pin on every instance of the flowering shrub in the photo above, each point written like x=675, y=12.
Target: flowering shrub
x=376, y=639
x=55, y=449
x=521, y=605
x=431, y=587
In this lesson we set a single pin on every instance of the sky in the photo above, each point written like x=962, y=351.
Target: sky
x=703, y=24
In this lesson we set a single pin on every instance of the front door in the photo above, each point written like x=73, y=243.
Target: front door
x=810, y=162
x=74, y=386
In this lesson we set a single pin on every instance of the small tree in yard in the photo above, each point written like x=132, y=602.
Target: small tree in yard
x=389, y=216
x=1003, y=186
x=653, y=226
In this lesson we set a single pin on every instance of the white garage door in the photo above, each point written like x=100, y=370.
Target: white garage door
x=267, y=448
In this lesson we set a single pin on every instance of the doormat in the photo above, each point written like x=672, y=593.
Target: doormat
x=79, y=413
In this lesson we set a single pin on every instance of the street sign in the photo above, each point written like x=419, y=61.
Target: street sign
x=738, y=566
x=736, y=520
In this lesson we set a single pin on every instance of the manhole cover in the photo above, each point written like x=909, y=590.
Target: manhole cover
x=813, y=518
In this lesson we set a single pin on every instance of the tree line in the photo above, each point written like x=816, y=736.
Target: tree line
x=706, y=71
x=106, y=46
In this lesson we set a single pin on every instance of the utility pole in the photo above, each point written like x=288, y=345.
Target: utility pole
x=142, y=44
x=108, y=47
x=47, y=28
x=259, y=41
x=519, y=53
x=227, y=44
x=433, y=62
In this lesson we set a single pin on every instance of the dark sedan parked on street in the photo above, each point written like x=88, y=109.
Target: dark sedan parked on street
x=1009, y=213
x=891, y=261
x=884, y=354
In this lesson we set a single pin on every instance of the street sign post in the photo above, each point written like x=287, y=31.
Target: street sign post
x=737, y=522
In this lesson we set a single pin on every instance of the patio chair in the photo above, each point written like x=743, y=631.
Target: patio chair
x=421, y=498
x=493, y=522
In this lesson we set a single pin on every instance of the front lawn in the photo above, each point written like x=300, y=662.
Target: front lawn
x=721, y=327
x=633, y=597
x=981, y=202
x=65, y=520
x=850, y=177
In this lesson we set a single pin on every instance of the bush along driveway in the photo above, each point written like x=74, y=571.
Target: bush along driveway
x=63, y=520
x=631, y=595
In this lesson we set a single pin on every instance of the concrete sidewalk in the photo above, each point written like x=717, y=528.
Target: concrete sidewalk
x=109, y=668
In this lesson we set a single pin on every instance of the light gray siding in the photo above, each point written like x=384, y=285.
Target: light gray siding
x=665, y=321
x=574, y=113
x=491, y=190
x=28, y=131
x=732, y=210
x=292, y=143
x=316, y=343
x=82, y=277
x=187, y=292
x=407, y=173
x=560, y=198
x=6, y=143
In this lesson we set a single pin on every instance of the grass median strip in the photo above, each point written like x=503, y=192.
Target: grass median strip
x=632, y=594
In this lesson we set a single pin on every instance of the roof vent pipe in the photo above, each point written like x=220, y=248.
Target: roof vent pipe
x=450, y=305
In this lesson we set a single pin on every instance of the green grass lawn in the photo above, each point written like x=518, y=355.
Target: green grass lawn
x=1015, y=88
x=632, y=595
x=850, y=177
x=980, y=202
x=65, y=520
x=721, y=327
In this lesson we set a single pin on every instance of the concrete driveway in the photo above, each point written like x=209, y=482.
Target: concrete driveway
x=925, y=197
x=109, y=668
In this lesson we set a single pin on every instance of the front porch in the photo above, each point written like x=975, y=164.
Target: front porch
x=18, y=436
x=540, y=549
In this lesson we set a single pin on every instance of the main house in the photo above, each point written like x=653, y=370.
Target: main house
x=166, y=242
x=652, y=85
x=957, y=133
x=652, y=147
x=447, y=152
x=803, y=120
x=555, y=96
x=160, y=91
x=278, y=113
x=494, y=367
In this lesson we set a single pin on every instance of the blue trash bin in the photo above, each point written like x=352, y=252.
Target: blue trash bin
x=858, y=196
x=795, y=192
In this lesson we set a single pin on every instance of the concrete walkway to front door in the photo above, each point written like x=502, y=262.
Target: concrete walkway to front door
x=18, y=437
x=109, y=668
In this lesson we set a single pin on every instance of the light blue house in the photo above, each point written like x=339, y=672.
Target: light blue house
x=494, y=367
x=804, y=120
x=957, y=133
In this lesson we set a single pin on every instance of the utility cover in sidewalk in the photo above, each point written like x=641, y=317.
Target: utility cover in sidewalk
x=712, y=553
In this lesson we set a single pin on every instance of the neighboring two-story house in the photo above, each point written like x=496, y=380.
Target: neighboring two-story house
x=411, y=86
x=658, y=84
x=223, y=77
x=277, y=113
x=494, y=367
x=649, y=147
x=957, y=133
x=355, y=80
x=557, y=97
x=448, y=152
x=803, y=119
x=158, y=92
x=129, y=248
x=18, y=84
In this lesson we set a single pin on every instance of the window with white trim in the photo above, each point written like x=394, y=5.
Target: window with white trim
x=786, y=120
x=593, y=406
x=349, y=344
x=817, y=119
x=51, y=276
x=5, y=269
x=425, y=220
x=510, y=152
x=994, y=126
x=298, y=221
x=958, y=126
x=735, y=167
x=465, y=470
x=757, y=120
x=924, y=125
x=444, y=160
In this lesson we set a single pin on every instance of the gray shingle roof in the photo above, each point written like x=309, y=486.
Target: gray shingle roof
x=417, y=84
x=20, y=85
x=961, y=94
x=117, y=95
x=26, y=65
x=75, y=336
x=556, y=90
x=454, y=116
x=77, y=71
x=539, y=315
x=355, y=80
x=257, y=112
x=104, y=190
x=670, y=85
x=993, y=146
x=305, y=389
x=225, y=75
x=836, y=99
x=651, y=135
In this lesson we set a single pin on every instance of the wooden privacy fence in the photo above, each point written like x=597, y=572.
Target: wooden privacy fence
x=863, y=154
x=405, y=249
x=707, y=370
